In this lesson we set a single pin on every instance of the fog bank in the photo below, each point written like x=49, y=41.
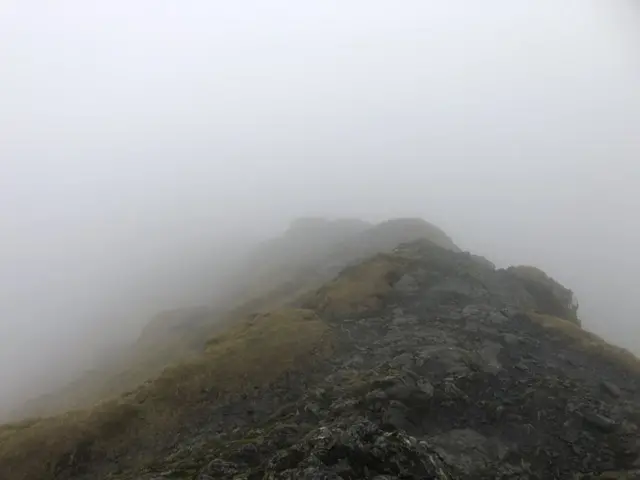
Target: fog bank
x=143, y=144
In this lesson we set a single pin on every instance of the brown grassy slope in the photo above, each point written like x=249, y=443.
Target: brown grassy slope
x=551, y=296
x=144, y=360
x=250, y=353
x=309, y=254
x=589, y=342
x=155, y=351
x=254, y=353
x=314, y=251
x=359, y=288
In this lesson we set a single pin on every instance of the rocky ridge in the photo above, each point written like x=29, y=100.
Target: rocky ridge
x=440, y=366
x=453, y=378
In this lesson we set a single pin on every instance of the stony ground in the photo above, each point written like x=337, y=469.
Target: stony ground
x=450, y=378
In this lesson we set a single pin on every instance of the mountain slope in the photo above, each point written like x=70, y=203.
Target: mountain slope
x=309, y=253
x=418, y=363
x=314, y=250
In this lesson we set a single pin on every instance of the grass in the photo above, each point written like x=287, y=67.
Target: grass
x=45, y=448
x=252, y=353
x=156, y=351
x=358, y=289
x=552, y=297
x=588, y=342
x=249, y=355
x=140, y=363
x=172, y=337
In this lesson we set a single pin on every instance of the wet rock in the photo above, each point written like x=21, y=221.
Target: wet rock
x=444, y=359
x=617, y=475
x=409, y=389
x=360, y=450
x=284, y=434
x=403, y=361
x=478, y=311
x=354, y=361
x=599, y=421
x=406, y=284
x=397, y=415
x=219, y=468
x=496, y=318
x=489, y=356
x=440, y=385
x=404, y=320
x=376, y=397
x=511, y=339
x=467, y=451
x=611, y=388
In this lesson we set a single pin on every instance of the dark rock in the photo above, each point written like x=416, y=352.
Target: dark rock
x=488, y=353
x=359, y=450
x=396, y=415
x=448, y=378
x=406, y=389
x=284, y=434
x=445, y=359
x=403, y=361
x=611, y=388
x=511, y=339
x=467, y=451
x=497, y=318
x=600, y=421
x=406, y=284
x=219, y=468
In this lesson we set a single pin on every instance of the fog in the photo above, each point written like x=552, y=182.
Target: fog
x=143, y=144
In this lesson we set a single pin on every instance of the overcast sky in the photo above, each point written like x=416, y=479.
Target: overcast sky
x=132, y=132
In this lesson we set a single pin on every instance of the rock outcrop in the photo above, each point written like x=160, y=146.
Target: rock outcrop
x=420, y=363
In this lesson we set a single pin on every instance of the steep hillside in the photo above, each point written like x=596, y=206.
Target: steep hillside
x=422, y=362
x=310, y=252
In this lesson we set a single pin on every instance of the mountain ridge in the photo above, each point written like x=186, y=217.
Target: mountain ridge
x=418, y=362
x=310, y=252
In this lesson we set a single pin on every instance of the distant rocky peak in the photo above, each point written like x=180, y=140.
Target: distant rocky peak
x=303, y=226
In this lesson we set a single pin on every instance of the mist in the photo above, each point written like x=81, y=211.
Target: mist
x=144, y=145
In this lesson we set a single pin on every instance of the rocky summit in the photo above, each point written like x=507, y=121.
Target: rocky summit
x=420, y=363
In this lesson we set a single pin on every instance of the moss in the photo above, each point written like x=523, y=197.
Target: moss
x=588, y=342
x=249, y=355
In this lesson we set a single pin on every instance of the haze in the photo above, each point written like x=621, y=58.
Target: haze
x=143, y=143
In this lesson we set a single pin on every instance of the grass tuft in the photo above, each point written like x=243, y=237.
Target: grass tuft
x=588, y=342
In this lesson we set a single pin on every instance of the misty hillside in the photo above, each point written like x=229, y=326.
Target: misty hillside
x=310, y=252
x=363, y=352
x=313, y=250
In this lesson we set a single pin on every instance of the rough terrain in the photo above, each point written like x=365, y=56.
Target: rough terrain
x=433, y=364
